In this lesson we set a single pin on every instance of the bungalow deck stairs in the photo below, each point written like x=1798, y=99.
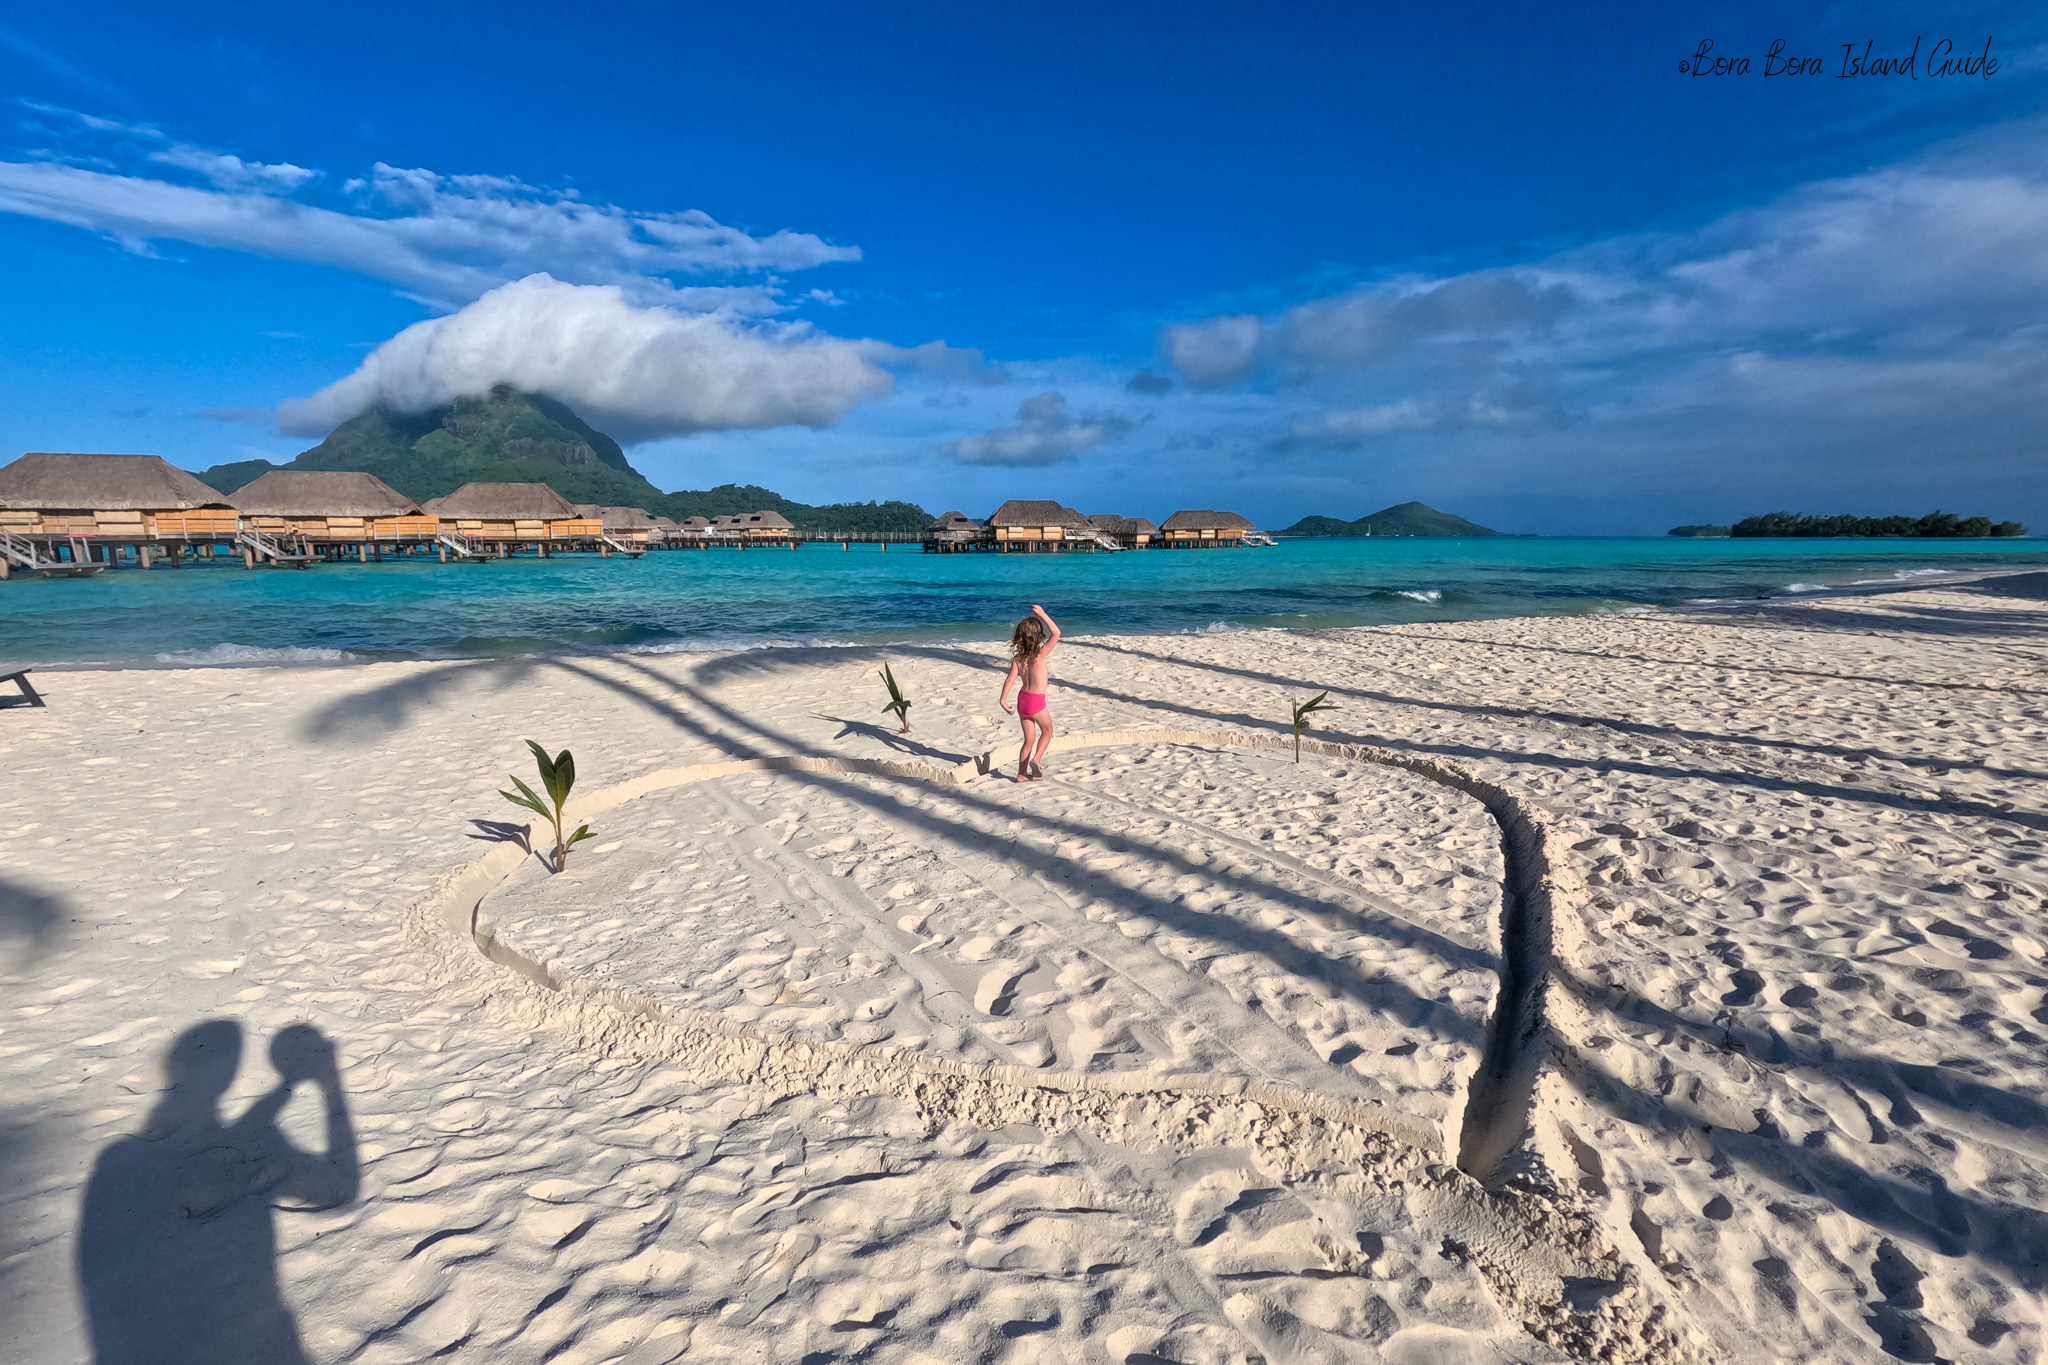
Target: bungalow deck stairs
x=1105, y=541
x=20, y=552
x=624, y=546
x=462, y=548
x=276, y=549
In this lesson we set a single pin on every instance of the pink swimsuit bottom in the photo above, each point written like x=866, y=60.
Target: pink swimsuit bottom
x=1030, y=703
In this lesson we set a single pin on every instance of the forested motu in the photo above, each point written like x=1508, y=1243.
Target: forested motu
x=1402, y=519
x=1935, y=525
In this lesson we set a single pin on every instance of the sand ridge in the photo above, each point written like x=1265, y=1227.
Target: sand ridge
x=1541, y=1256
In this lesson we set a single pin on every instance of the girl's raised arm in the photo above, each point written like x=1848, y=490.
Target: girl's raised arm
x=1050, y=625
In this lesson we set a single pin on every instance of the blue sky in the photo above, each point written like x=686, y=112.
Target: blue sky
x=1511, y=262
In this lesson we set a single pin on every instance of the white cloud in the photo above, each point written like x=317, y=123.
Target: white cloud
x=1840, y=301
x=1215, y=351
x=231, y=172
x=964, y=365
x=1507, y=409
x=1366, y=326
x=446, y=239
x=1044, y=435
x=648, y=323
x=1459, y=321
x=636, y=371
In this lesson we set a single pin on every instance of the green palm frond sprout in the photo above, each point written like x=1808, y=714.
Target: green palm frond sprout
x=1303, y=712
x=557, y=777
x=897, y=702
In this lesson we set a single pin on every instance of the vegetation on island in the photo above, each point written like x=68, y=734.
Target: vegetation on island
x=1701, y=531
x=729, y=498
x=1935, y=525
x=1402, y=519
x=512, y=437
x=505, y=436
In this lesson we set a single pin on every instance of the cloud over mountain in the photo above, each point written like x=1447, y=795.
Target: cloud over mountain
x=636, y=371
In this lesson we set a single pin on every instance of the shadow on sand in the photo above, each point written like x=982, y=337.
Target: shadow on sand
x=893, y=739
x=376, y=710
x=1926, y=1214
x=30, y=917
x=177, y=1254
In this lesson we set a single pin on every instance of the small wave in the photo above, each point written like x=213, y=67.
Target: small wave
x=1906, y=576
x=1215, y=628
x=742, y=645
x=1806, y=587
x=255, y=654
x=1425, y=595
x=728, y=645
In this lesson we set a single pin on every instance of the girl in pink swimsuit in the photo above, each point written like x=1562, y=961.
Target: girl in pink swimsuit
x=1031, y=645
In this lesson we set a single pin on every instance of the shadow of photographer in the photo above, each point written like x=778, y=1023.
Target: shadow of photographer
x=177, y=1251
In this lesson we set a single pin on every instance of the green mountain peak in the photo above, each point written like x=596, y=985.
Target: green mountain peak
x=506, y=436
x=503, y=436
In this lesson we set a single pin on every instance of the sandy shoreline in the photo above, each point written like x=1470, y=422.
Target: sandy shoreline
x=1796, y=1080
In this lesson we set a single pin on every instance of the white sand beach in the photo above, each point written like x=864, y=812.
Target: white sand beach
x=1651, y=987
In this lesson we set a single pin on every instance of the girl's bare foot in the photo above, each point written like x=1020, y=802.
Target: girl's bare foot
x=1037, y=770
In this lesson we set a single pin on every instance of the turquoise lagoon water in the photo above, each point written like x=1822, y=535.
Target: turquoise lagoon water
x=696, y=600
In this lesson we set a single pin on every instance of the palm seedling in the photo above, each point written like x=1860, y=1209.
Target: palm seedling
x=897, y=702
x=557, y=776
x=1303, y=712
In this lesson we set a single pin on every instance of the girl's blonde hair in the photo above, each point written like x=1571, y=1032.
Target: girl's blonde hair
x=1027, y=639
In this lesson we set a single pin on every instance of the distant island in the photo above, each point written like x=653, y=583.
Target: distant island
x=512, y=437
x=1403, y=519
x=729, y=498
x=1701, y=531
x=1935, y=525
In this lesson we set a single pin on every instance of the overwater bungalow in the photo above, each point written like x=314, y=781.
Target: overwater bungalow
x=1024, y=525
x=953, y=532
x=1203, y=530
x=93, y=508
x=626, y=525
x=666, y=530
x=751, y=529
x=329, y=507
x=1133, y=533
x=503, y=516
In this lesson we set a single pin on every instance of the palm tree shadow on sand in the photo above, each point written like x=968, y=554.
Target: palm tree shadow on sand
x=177, y=1253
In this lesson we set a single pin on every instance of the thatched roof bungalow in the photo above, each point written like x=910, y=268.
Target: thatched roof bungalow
x=634, y=525
x=512, y=512
x=954, y=528
x=332, y=505
x=753, y=526
x=1203, y=528
x=116, y=497
x=1133, y=533
x=1038, y=522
